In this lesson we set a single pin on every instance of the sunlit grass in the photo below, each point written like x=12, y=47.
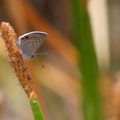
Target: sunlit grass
x=87, y=60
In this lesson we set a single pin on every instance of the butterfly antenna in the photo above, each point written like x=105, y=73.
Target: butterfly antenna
x=43, y=66
x=42, y=53
x=39, y=62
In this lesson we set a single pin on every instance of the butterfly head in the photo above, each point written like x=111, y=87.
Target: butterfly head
x=26, y=55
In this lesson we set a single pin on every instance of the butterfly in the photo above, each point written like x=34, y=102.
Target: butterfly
x=30, y=42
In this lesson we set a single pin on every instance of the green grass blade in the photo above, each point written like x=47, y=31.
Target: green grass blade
x=38, y=115
x=87, y=60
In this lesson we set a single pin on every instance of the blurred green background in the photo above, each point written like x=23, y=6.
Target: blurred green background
x=80, y=80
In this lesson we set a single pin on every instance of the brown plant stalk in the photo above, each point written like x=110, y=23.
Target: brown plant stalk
x=9, y=36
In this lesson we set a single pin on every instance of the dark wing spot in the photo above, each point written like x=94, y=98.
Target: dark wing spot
x=26, y=37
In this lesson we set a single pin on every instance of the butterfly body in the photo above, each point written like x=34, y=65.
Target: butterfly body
x=30, y=42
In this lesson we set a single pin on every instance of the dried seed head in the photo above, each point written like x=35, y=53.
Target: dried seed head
x=21, y=69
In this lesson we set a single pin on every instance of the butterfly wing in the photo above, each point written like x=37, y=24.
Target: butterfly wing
x=30, y=42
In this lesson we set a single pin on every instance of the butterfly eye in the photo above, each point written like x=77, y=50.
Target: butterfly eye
x=32, y=56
